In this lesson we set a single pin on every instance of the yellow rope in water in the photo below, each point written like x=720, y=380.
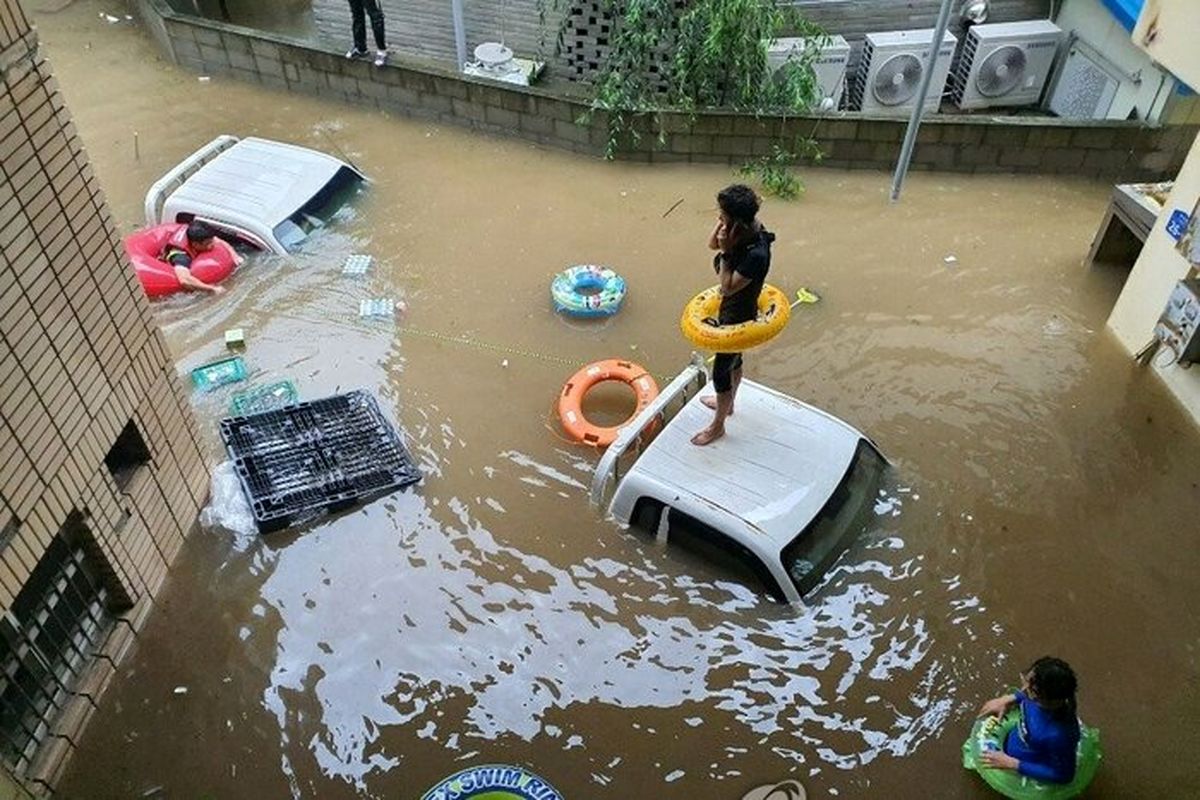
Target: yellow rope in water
x=490, y=346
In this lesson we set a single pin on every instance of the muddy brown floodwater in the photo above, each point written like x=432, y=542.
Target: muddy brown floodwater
x=1044, y=497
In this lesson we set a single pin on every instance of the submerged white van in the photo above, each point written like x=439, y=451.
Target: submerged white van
x=782, y=493
x=269, y=195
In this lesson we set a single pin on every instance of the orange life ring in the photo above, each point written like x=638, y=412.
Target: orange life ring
x=570, y=400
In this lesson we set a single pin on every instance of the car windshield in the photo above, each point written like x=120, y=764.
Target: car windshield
x=811, y=553
x=318, y=211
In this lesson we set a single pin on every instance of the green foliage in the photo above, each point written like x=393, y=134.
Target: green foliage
x=774, y=172
x=712, y=54
x=720, y=58
x=631, y=82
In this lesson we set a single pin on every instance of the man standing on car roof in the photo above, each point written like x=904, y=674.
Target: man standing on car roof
x=742, y=263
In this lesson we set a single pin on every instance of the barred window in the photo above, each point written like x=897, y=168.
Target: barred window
x=47, y=640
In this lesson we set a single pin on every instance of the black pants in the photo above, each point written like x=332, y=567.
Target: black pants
x=724, y=365
x=357, y=7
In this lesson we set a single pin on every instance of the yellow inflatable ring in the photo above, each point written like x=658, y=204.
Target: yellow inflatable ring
x=699, y=314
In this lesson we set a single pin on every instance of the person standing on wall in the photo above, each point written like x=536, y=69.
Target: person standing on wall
x=359, y=11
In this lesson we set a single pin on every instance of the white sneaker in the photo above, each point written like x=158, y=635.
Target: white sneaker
x=381, y=57
x=354, y=52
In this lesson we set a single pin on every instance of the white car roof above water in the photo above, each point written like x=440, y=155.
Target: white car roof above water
x=774, y=470
x=254, y=184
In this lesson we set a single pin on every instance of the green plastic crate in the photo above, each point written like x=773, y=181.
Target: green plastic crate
x=264, y=398
x=207, y=377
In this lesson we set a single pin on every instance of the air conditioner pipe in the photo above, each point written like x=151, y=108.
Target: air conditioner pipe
x=914, y=122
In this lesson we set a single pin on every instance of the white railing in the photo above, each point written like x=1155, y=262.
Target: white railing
x=156, y=196
x=682, y=388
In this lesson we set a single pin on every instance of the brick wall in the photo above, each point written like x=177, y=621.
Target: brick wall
x=548, y=114
x=80, y=360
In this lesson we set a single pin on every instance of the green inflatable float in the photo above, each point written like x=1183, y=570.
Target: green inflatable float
x=990, y=733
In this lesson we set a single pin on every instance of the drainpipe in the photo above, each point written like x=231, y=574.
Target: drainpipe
x=914, y=122
x=460, y=33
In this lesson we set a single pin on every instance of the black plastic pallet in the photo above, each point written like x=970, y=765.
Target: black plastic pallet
x=321, y=455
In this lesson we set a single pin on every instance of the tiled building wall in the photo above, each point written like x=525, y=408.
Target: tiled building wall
x=81, y=360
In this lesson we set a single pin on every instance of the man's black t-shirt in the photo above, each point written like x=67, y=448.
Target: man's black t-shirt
x=752, y=259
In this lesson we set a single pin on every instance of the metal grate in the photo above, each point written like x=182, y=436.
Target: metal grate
x=960, y=72
x=858, y=85
x=322, y=455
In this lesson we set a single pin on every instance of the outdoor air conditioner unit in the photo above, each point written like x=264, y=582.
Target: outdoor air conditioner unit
x=830, y=65
x=1005, y=64
x=890, y=67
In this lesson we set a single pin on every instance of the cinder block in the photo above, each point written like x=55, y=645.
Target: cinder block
x=269, y=66
x=929, y=134
x=1093, y=138
x=450, y=87
x=1105, y=162
x=1020, y=157
x=978, y=155
x=964, y=133
x=264, y=49
x=745, y=125
x=570, y=132
x=880, y=131
x=206, y=36
x=537, y=124
x=502, y=118
x=937, y=156
x=690, y=143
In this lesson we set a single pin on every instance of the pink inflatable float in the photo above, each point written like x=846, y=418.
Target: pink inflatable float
x=157, y=276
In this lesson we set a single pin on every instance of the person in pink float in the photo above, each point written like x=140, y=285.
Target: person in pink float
x=185, y=246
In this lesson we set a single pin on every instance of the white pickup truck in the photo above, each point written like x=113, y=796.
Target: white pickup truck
x=782, y=493
x=268, y=195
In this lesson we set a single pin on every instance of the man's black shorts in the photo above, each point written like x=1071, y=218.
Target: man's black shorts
x=723, y=367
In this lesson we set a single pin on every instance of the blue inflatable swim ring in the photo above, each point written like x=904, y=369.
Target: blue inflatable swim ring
x=587, y=290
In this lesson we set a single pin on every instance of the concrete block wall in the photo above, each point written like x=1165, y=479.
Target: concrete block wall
x=1118, y=150
x=80, y=359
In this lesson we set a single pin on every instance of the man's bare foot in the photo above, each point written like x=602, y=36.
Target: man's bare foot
x=709, y=401
x=708, y=436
